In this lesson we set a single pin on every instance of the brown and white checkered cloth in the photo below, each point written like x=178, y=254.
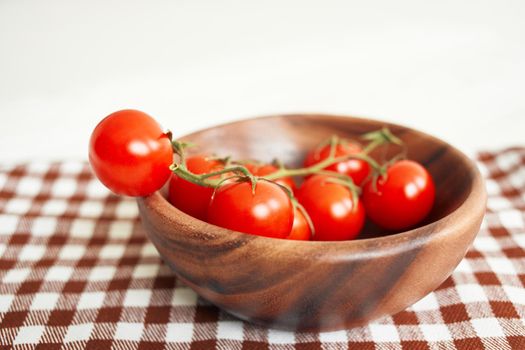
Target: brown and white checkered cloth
x=76, y=271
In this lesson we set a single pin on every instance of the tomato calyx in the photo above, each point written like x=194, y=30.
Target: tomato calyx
x=380, y=137
x=169, y=135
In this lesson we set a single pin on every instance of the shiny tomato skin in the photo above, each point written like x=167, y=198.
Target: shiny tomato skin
x=189, y=197
x=300, y=229
x=267, y=212
x=267, y=169
x=403, y=198
x=357, y=169
x=332, y=209
x=130, y=154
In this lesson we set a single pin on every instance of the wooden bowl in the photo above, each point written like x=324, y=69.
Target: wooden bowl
x=319, y=286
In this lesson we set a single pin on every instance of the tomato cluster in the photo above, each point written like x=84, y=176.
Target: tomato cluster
x=341, y=184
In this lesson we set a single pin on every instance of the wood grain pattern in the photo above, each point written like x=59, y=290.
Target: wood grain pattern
x=319, y=285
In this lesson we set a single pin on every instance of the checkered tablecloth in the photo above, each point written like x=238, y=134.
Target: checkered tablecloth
x=76, y=271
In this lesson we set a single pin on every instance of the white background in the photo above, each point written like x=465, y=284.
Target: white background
x=455, y=69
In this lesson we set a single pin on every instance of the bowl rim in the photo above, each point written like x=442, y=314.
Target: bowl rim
x=474, y=200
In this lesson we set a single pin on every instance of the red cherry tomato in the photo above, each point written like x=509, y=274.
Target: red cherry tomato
x=335, y=215
x=267, y=169
x=189, y=197
x=130, y=154
x=267, y=212
x=300, y=230
x=403, y=198
x=357, y=169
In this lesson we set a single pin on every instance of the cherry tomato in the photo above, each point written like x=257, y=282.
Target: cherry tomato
x=130, y=154
x=357, y=169
x=267, y=169
x=300, y=230
x=403, y=198
x=335, y=215
x=189, y=197
x=266, y=212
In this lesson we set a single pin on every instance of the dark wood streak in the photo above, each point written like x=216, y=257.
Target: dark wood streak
x=317, y=297
x=319, y=285
x=435, y=156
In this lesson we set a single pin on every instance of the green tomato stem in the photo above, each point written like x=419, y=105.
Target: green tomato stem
x=206, y=179
x=375, y=138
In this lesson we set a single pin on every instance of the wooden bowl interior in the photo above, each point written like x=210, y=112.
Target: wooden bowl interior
x=290, y=137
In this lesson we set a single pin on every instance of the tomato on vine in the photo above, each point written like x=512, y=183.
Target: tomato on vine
x=189, y=197
x=336, y=214
x=130, y=154
x=403, y=197
x=266, y=211
x=357, y=169
x=267, y=169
